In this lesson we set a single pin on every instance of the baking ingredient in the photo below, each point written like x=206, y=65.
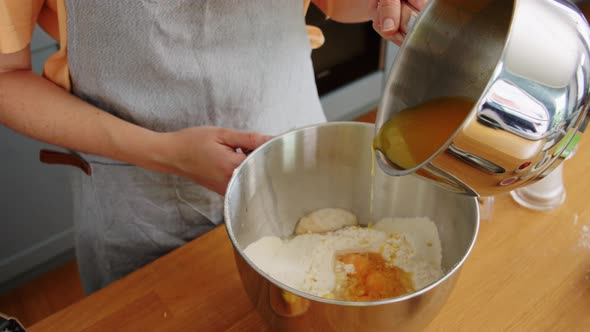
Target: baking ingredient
x=367, y=277
x=325, y=220
x=391, y=258
x=415, y=134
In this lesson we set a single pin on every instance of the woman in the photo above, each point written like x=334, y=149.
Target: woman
x=160, y=99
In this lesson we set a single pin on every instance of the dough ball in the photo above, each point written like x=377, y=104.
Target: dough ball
x=325, y=220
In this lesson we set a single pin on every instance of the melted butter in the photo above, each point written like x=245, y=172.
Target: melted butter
x=413, y=135
x=372, y=279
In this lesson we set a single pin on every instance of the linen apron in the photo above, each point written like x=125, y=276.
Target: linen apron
x=167, y=65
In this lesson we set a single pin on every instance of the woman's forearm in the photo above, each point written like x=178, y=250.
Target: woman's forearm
x=35, y=107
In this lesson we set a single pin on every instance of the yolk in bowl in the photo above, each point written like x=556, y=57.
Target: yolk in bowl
x=372, y=279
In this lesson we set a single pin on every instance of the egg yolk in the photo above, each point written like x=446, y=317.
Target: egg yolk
x=372, y=279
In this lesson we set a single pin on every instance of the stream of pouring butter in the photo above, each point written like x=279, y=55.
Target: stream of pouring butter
x=413, y=135
x=372, y=194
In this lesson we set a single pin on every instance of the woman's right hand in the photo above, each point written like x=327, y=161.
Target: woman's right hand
x=208, y=155
x=391, y=17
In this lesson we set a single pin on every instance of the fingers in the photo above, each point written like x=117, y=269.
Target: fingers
x=235, y=160
x=397, y=39
x=316, y=36
x=218, y=180
x=419, y=4
x=243, y=140
x=373, y=10
x=391, y=18
x=387, y=17
x=406, y=15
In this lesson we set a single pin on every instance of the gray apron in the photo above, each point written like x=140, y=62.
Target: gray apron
x=167, y=65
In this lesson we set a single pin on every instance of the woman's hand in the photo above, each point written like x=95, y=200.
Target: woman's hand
x=208, y=155
x=37, y=108
x=391, y=17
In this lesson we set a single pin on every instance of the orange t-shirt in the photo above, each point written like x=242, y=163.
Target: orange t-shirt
x=18, y=19
x=17, y=22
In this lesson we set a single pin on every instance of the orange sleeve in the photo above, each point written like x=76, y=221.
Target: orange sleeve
x=49, y=21
x=53, y=19
x=17, y=21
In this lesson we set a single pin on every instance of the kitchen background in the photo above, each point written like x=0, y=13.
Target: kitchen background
x=35, y=199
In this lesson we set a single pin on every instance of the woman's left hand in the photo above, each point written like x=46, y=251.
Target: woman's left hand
x=391, y=17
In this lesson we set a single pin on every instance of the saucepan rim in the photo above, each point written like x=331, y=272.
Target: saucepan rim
x=498, y=68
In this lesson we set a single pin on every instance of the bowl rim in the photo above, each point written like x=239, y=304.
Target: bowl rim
x=227, y=221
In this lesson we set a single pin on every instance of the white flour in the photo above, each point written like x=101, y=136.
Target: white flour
x=307, y=262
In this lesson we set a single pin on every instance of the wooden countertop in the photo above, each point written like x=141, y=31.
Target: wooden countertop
x=529, y=271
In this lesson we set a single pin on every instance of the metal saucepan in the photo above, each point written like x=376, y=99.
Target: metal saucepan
x=525, y=63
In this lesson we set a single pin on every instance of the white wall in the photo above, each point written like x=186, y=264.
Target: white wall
x=35, y=199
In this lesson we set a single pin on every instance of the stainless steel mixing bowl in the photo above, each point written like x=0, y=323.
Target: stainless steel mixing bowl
x=329, y=165
x=526, y=63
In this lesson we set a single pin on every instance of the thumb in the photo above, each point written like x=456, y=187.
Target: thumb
x=243, y=140
x=389, y=12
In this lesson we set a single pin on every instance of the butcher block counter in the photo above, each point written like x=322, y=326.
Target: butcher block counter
x=529, y=271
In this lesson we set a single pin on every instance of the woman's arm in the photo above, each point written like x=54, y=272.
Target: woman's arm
x=35, y=107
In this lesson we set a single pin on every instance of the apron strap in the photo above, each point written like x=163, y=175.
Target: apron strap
x=64, y=158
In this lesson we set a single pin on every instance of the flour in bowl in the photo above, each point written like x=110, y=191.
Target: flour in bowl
x=355, y=263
